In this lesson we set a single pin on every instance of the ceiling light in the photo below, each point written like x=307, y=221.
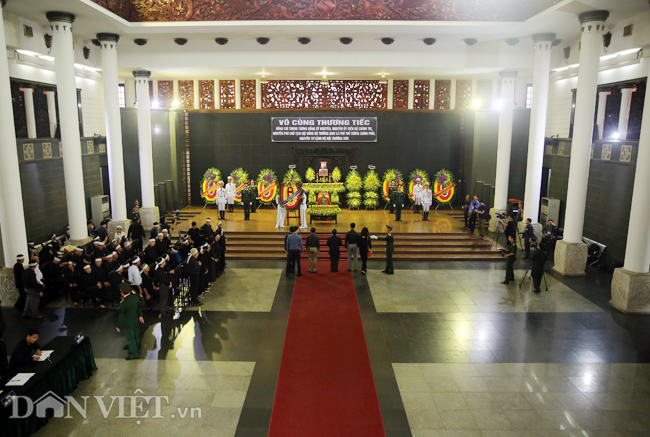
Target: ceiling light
x=615, y=136
x=387, y=41
x=180, y=41
x=470, y=41
x=383, y=79
x=476, y=104
x=264, y=79
x=304, y=40
x=512, y=41
x=140, y=41
x=429, y=41
x=36, y=55
x=345, y=40
x=221, y=41
x=263, y=40
x=324, y=79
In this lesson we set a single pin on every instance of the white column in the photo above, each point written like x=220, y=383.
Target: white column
x=51, y=111
x=452, y=94
x=144, y=138
x=591, y=43
x=28, y=97
x=506, y=115
x=113, y=127
x=537, y=132
x=175, y=93
x=197, y=94
x=217, y=94
x=237, y=94
x=600, y=118
x=624, y=114
x=389, y=96
x=12, y=216
x=631, y=284
x=129, y=93
x=570, y=253
x=258, y=94
x=63, y=52
x=148, y=211
x=432, y=93
x=411, y=93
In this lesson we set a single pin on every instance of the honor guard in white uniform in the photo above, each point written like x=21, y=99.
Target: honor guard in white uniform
x=427, y=200
x=279, y=221
x=303, y=211
x=222, y=199
x=417, y=195
x=231, y=190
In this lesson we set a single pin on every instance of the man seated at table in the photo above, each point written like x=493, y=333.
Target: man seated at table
x=26, y=349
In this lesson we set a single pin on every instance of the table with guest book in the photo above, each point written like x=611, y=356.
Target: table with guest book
x=57, y=376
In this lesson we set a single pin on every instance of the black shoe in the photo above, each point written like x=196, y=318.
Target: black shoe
x=537, y=291
x=390, y=273
x=505, y=282
x=384, y=271
x=299, y=274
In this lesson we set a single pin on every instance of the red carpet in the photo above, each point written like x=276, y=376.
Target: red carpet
x=325, y=387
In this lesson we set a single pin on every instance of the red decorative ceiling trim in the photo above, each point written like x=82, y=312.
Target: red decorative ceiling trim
x=412, y=10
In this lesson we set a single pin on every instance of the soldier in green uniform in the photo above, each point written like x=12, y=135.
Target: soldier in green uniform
x=399, y=199
x=391, y=195
x=255, y=195
x=511, y=255
x=538, y=260
x=130, y=314
x=247, y=201
x=390, y=249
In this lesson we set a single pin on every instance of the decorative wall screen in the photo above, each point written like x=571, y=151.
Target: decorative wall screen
x=186, y=94
x=206, y=94
x=227, y=94
x=400, y=94
x=442, y=95
x=247, y=94
x=421, y=94
x=313, y=94
x=165, y=93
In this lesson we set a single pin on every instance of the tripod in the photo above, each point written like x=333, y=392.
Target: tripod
x=499, y=231
x=528, y=272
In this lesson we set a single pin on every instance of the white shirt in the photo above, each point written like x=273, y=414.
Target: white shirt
x=221, y=195
x=230, y=188
x=417, y=190
x=39, y=275
x=135, y=278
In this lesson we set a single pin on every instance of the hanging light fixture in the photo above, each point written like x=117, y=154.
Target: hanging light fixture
x=324, y=79
x=264, y=79
x=383, y=79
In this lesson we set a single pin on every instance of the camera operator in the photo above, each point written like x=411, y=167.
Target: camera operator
x=511, y=254
x=529, y=237
x=509, y=226
x=537, y=267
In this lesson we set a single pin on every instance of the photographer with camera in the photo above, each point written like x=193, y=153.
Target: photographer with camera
x=511, y=253
x=538, y=261
x=509, y=225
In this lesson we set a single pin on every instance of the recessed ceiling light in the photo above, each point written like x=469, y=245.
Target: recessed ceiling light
x=304, y=40
x=180, y=41
x=429, y=41
x=263, y=40
x=140, y=41
x=387, y=41
x=221, y=41
x=345, y=40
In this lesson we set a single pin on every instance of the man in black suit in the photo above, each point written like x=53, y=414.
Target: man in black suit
x=334, y=243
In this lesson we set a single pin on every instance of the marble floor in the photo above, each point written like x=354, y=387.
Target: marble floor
x=470, y=291
x=454, y=353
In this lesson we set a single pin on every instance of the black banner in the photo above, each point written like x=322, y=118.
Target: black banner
x=324, y=129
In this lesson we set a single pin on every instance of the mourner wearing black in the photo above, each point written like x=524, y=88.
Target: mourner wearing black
x=334, y=244
x=26, y=349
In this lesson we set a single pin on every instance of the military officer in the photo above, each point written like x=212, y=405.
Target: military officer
x=231, y=190
x=391, y=195
x=399, y=198
x=417, y=195
x=247, y=201
x=222, y=199
x=511, y=255
x=427, y=200
x=390, y=249
x=130, y=314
